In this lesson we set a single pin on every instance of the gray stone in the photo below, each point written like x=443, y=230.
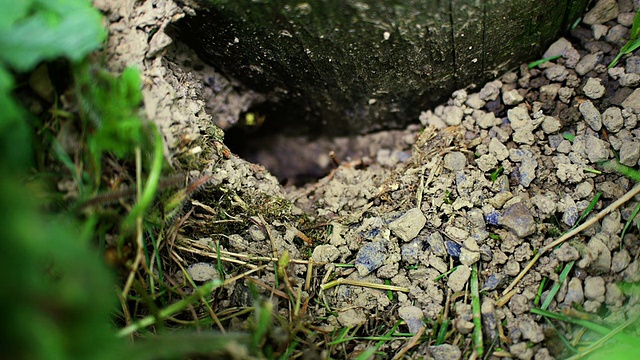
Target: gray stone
x=411, y=252
x=445, y=352
x=511, y=268
x=412, y=315
x=453, y=115
x=407, y=226
x=498, y=149
x=629, y=80
x=371, y=256
x=563, y=48
x=616, y=72
x=591, y=115
x=352, y=318
x=487, y=162
x=620, y=261
x=436, y=243
x=613, y=295
x=455, y=161
x=530, y=330
x=633, y=101
x=545, y=205
x=519, y=304
x=551, y=125
x=593, y=88
x=458, y=278
x=612, y=119
x=570, y=214
x=556, y=73
x=521, y=350
x=325, y=253
x=603, y=11
x=597, y=149
x=203, y=271
x=519, y=220
x=490, y=91
x=630, y=119
x=594, y=288
x=583, y=190
x=588, y=62
x=487, y=120
x=527, y=169
x=599, y=31
x=575, y=294
x=512, y=97
x=549, y=92
x=474, y=101
x=565, y=94
x=566, y=253
x=617, y=34
x=633, y=65
x=494, y=281
x=626, y=19
x=469, y=257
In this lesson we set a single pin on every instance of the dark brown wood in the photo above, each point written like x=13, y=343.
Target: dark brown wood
x=341, y=67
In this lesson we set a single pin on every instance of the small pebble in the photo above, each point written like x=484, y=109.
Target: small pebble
x=455, y=161
x=574, y=295
x=458, y=278
x=591, y=115
x=599, y=31
x=491, y=90
x=588, y=63
x=445, y=352
x=530, y=330
x=202, y=272
x=413, y=316
x=325, y=253
x=597, y=149
x=512, y=97
x=371, y=256
x=593, y=88
x=603, y=11
x=556, y=73
x=518, y=219
x=633, y=101
x=620, y=261
x=612, y=119
x=594, y=288
x=407, y=226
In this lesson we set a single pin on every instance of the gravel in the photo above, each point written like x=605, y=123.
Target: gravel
x=497, y=173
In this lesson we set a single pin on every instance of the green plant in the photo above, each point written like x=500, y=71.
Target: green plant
x=632, y=44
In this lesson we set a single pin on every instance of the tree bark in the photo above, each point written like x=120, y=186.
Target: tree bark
x=345, y=67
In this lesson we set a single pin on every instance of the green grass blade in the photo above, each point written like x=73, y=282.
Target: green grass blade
x=171, y=309
x=556, y=287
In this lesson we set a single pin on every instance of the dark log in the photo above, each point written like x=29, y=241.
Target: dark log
x=344, y=67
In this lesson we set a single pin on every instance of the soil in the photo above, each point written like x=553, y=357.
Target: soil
x=485, y=181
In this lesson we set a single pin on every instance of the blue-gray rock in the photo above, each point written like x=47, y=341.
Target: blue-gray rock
x=371, y=256
x=494, y=281
x=412, y=315
x=453, y=248
x=492, y=218
x=518, y=219
x=571, y=213
x=436, y=243
x=411, y=252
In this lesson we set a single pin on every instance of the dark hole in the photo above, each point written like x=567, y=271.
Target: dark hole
x=294, y=158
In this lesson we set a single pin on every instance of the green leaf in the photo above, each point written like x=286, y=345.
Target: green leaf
x=37, y=30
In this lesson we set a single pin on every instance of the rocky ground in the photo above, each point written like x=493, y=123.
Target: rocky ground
x=486, y=181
